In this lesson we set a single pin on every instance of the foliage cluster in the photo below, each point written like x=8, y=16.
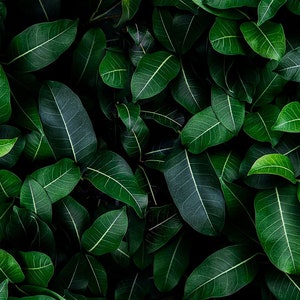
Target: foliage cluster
x=149, y=149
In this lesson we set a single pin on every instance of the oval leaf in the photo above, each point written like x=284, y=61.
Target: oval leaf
x=41, y=44
x=153, y=74
x=10, y=184
x=61, y=108
x=275, y=164
x=6, y=145
x=106, y=233
x=267, y=40
x=222, y=273
x=277, y=216
x=5, y=106
x=267, y=9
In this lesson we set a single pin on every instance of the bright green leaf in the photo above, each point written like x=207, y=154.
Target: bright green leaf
x=6, y=145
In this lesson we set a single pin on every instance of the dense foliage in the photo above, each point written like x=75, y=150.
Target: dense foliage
x=149, y=149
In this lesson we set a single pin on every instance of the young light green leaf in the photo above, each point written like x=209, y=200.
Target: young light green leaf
x=6, y=145
x=61, y=108
x=220, y=4
x=114, y=69
x=112, y=175
x=267, y=40
x=34, y=198
x=58, y=179
x=229, y=111
x=129, y=9
x=195, y=191
x=289, y=118
x=37, y=266
x=87, y=57
x=226, y=38
x=106, y=233
x=41, y=44
x=5, y=105
x=204, y=130
x=10, y=184
x=153, y=74
x=10, y=268
x=222, y=273
x=258, y=125
x=170, y=263
x=277, y=216
x=267, y=9
x=275, y=164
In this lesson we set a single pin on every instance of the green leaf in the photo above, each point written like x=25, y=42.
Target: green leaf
x=37, y=266
x=204, y=130
x=114, y=69
x=58, y=179
x=34, y=198
x=112, y=175
x=222, y=273
x=288, y=119
x=4, y=289
x=275, y=164
x=41, y=44
x=6, y=145
x=226, y=38
x=289, y=66
x=5, y=105
x=231, y=3
x=97, y=276
x=129, y=114
x=170, y=263
x=229, y=111
x=267, y=9
x=10, y=184
x=195, y=192
x=153, y=74
x=277, y=216
x=258, y=125
x=106, y=233
x=61, y=108
x=10, y=268
x=188, y=91
x=267, y=40
x=87, y=57
x=72, y=216
x=129, y=9
x=293, y=6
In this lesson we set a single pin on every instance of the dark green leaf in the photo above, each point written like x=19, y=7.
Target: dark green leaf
x=222, y=273
x=41, y=44
x=4, y=289
x=293, y=6
x=106, y=233
x=61, y=108
x=112, y=175
x=153, y=74
x=267, y=9
x=10, y=184
x=277, y=216
x=5, y=106
x=129, y=9
x=231, y=3
x=129, y=114
x=195, y=191
x=267, y=40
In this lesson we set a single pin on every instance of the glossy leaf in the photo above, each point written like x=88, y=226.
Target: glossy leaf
x=267, y=9
x=10, y=268
x=58, y=179
x=226, y=38
x=231, y=3
x=289, y=118
x=6, y=145
x=41, y=44
x=38, y=268
x=34, y=197
x=114, y=69
x=5, y=105
x=129, y=114
x=61, y=108
x=87, y=57
x=267, y=40
x=129, y=9
x=229, y=111
x=153, y=74
x=222, y=273
x=275, y=164
x=4, y=289
x=204, y=130
x=10, y=184
x=112, y=175
x=106, y=233
x=258, y=125
x=195, y=192
x=169, y=264
x=277, y=223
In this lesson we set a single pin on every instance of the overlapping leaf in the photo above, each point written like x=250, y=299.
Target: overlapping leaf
x=10, y=184
x=5, y=105
x=231, y=3
x=267, y=9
